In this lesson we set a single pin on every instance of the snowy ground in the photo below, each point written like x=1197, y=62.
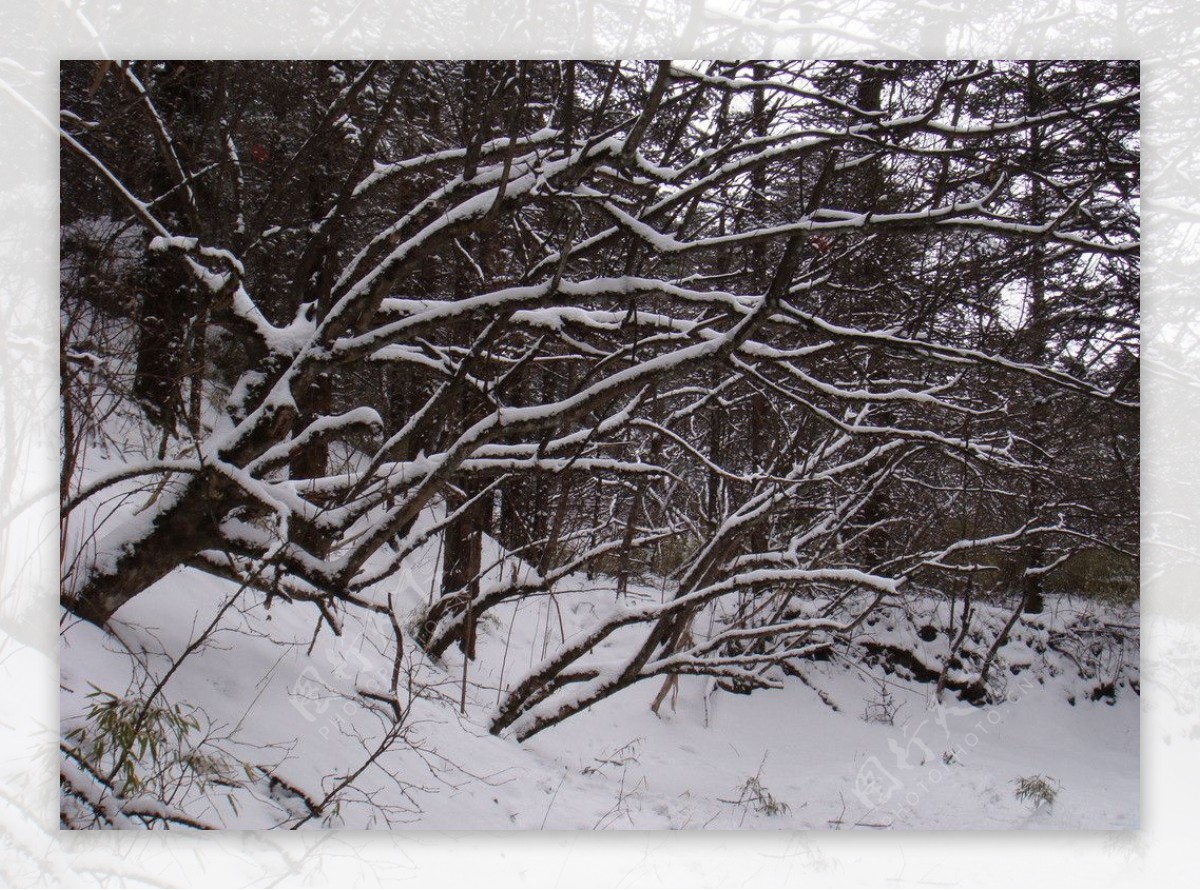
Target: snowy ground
x=281, y=728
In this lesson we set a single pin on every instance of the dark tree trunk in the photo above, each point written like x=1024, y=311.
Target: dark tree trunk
x=180, y=531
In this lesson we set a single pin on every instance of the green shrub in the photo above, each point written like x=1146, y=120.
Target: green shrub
x=1037, y=790
x=144, y=747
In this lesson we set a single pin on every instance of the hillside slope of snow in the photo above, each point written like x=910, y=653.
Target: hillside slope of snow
x=272, y=721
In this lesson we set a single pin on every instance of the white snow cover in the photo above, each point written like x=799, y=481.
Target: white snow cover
x=287, y=711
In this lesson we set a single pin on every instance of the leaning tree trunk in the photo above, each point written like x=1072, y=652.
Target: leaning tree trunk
x=185, y=524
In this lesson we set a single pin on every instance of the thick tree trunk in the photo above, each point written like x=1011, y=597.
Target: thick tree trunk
x=182, y=528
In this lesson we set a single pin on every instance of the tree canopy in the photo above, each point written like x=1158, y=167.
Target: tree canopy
x=797, y=338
